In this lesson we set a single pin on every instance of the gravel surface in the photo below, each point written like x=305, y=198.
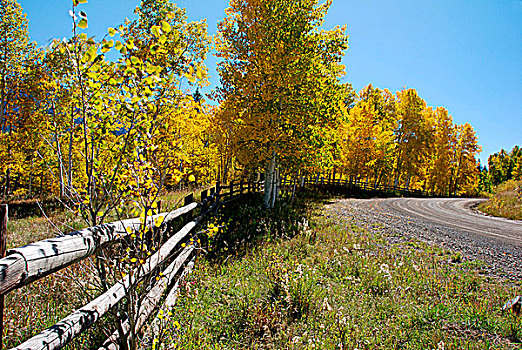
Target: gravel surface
x=448, y=223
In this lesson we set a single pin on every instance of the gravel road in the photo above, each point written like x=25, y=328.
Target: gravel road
x=449, y=223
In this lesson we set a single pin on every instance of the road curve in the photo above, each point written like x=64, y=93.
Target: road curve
x=448, y=223
x=453, y=213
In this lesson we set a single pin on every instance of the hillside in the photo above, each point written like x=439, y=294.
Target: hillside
x=506, y=201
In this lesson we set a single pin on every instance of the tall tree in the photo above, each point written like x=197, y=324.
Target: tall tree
x=383, y=121
x=444, y=143
x=412, y=134
x=280, y=83
x=504, y=165
x=465, y=171
x=14, y=53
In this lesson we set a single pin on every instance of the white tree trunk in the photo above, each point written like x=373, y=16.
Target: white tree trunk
x=270, y=182
x=70, y=161
x=276, y=186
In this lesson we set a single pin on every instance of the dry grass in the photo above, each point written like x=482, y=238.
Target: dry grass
x=35, y=307
x=506, y=201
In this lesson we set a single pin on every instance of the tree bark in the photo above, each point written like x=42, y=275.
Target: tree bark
x=408, y=182
x=270, y=194
x=60, y=167
x=276, y=186
x=70, y=165
x=7, y=188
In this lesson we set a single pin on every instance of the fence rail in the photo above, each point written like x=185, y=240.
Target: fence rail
x=367, y=186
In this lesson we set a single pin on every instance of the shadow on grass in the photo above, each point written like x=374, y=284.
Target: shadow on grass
x=248, y=223
x=362, y=193
x=30, y=208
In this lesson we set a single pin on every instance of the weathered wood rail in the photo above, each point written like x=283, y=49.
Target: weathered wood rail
x=29, y=263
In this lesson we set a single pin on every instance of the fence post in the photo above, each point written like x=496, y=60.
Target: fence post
x=218, y=191
x=241, y=188
x=255, y=186
x=231, y=193
x=189, y=199
x=3, y=240
x=204, y=195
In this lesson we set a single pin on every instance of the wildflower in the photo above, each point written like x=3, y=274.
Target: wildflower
x=326, y=305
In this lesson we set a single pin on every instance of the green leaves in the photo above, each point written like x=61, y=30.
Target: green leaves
x=82, y=23
x=286, y=87
x=135, y=60
x=107, y=45
x=165, y=27
x=103, y=110
x=130, y=44
x=156, y=31
x=90, y=54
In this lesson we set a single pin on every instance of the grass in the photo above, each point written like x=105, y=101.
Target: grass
x=294, y=279
x=335, y=286
x=506, y=201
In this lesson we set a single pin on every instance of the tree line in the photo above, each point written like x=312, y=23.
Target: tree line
x=398, y=139
x=284, y=108
x=100, y=131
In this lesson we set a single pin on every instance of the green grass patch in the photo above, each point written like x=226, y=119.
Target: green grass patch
x=294, y=278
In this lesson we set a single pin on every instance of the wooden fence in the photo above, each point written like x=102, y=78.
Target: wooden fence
x=363, y=185
x=27, y=264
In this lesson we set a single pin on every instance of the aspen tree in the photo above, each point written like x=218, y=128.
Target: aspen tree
x=15, y=52
x=280, y=84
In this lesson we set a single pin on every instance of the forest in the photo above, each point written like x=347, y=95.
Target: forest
x=101, y=120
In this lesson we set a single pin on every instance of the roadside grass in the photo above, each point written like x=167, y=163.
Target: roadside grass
x=33, y=308
x=302, y=280
x=506, y=201
x=292, y=279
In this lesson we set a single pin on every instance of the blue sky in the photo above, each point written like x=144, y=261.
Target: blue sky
x=465, y=55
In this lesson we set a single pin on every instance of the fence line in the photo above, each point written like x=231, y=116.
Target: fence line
x=26, y=264
x=364, y=186
x=29, y=263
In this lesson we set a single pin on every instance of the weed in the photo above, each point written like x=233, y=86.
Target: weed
x=456, y=258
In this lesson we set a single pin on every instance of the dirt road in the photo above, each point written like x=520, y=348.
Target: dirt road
x=449, y=223
x=455, y=213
